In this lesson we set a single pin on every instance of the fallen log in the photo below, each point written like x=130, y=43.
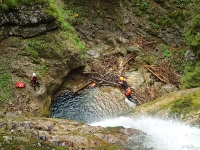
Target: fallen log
x=155, y=74
x=90, y=72
x=149, y=43
x=113, y=83
x=122, y=64
x=127, y=61
x=83, y=86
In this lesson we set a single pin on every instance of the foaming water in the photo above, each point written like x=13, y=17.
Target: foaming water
x=89, y=106
x=163, y=134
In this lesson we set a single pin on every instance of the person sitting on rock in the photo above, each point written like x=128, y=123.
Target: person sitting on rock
x=35, y=81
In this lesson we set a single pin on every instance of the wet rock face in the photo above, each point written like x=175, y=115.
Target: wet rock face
x=25, y=21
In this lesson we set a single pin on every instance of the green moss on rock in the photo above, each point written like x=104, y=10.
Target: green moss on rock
x=183, y=105
x=20, y=142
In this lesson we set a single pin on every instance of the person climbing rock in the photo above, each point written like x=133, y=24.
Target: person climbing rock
x=129, y=97
x=122, y=82
x=35, y=81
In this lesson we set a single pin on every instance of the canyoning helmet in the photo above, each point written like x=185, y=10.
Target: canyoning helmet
x=34, y=74
x=121, y=78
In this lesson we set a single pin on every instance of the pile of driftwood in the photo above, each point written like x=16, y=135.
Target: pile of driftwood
x=164, y=73
x=105, y=71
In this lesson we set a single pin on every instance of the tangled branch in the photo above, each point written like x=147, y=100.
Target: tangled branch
x=164, y=73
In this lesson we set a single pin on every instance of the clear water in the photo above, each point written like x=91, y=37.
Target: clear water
x=89, y=106
x=163, y=134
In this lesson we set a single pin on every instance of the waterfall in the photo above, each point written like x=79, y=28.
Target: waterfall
x=103, y=107
x=164, y=134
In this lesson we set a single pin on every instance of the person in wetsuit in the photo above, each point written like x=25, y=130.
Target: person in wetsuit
x=122, y=82
x=129, y=97
x=35, y=81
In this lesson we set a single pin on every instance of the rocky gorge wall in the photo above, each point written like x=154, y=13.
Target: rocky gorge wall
x=31, y=41
x=26, y=21
x=116, y=22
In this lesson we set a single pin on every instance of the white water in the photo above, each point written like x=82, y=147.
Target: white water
x=164, y=134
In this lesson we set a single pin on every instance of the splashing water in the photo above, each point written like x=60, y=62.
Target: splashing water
x=94, y=105
x=164, y=134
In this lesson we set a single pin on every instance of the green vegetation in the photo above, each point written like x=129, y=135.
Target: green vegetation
x=17, y=142
x=191, y=76
x=70, y=32
x=192, y=33
x=79, y=10
x=107, y=147
x=41, y=69
x=144, y=5
x=154, y=25
x=112, y=130
x=5, y=81
x=166, y=52
x=175, y=56
x=57, y=12
x=6, y=4
x=184, y=106
x=179, y=12
x=32, y=47
x=175, y=15
x=181, y=107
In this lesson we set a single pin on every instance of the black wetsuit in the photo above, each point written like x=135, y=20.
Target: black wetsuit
x=130, y=98
x=35, y=82
x=133, y=100
x=123, y=84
